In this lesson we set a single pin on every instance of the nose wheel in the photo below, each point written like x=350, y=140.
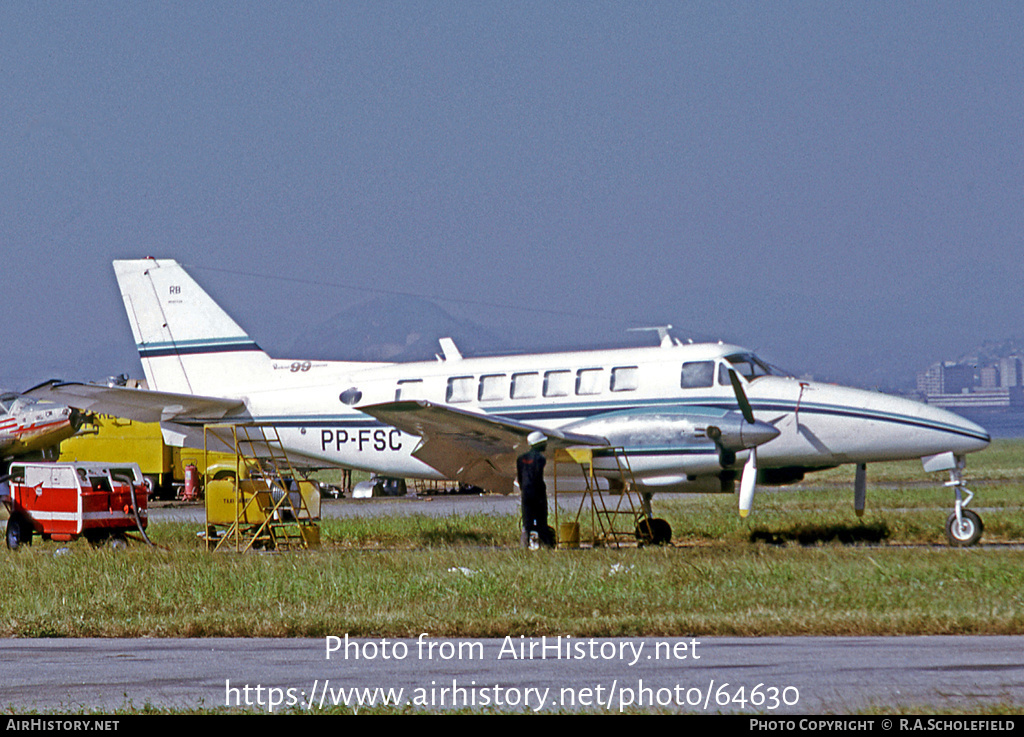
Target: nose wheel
x=963, y=532
x=963, y=526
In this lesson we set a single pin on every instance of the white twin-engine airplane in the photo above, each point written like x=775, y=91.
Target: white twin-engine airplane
x=688, y=417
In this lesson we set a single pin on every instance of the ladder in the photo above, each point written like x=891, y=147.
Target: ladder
x=612, y=522
x=268, y=505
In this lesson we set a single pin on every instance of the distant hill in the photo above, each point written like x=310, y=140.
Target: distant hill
x=408, y=329
x=992, y=350
x=392, y=329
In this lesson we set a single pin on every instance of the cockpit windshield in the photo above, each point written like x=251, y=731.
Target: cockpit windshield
x=750, y=366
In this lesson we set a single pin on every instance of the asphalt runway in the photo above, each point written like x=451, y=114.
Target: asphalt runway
x=431, y=506
x=782, y=675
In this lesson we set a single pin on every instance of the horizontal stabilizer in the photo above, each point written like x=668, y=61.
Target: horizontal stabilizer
x=140, y=405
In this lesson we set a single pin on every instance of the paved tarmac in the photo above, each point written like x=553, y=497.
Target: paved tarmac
x=773, y=675
x=431, y=506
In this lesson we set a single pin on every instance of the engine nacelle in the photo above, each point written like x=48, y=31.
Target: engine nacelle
x=726, y=429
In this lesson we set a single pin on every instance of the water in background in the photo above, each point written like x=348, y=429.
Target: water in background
x=999, y=423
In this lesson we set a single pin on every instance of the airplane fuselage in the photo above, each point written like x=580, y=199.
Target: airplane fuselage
x=619, y=394
x=30, y=427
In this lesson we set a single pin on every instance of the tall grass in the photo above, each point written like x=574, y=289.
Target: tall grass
x=458, y=587
x=802, y=563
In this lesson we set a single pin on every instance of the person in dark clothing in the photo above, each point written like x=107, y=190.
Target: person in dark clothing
x=530, y=473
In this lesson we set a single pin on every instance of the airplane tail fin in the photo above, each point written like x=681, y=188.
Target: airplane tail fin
x=187, y=343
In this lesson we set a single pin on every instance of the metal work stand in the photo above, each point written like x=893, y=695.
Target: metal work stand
x=267, y=505
x=612, y=522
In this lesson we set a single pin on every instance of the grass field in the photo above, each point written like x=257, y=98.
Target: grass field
x=802, y=564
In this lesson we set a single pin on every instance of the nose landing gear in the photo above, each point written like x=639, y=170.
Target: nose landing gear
x=964, y=531
x=963, y=526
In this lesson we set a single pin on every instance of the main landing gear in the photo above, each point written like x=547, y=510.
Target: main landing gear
x=651, y=530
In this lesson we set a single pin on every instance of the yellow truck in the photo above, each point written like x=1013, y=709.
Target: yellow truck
x=108, y=439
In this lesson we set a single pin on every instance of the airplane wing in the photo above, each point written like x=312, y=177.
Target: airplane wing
x=140, y=405
x=469, y=447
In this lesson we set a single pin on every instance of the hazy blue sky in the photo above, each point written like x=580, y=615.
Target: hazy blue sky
x=838, y=185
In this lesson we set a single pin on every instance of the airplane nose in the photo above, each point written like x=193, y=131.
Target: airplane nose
x=939, y=428
x=972, y=437
x=874, y=426
x=757, y=433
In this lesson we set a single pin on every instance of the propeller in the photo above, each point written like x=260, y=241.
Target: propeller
x=748, y=481
x=78, y=418
x=741, y=397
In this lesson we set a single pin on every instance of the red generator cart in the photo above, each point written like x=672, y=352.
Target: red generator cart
x=63, y=501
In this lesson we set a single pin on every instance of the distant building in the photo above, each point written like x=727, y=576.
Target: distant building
x=1007, y=398
x=962, y=386
x=929, y=381
x=989, y=377
x=945, y=377
x=1010, y=372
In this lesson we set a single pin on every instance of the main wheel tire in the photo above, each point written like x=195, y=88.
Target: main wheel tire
x=653, y=531
x=965, y=534
x=19, y=532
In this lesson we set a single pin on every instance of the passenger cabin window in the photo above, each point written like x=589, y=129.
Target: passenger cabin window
x=625, y=379
x=557, y=383
x=698, y=375
x=460, y=389
x=588, y=381
x=525, y=386
x=409, y=389
x=492, y=387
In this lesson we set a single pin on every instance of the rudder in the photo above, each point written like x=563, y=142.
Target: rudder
x=186, y=341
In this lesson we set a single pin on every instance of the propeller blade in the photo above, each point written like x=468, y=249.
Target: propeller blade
x=747, y=483
x=741, y=397
x=860, y=489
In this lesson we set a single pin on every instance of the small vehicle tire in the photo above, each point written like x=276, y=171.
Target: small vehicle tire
x=19, y=532
x=967, y=533
x=95, y=538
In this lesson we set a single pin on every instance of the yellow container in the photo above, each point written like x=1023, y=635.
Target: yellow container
x=569, y=534
x=223, y=504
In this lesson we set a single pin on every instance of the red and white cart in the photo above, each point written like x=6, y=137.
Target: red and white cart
x=63, y=501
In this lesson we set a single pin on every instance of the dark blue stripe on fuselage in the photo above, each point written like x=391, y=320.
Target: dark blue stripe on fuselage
x=579, y=413
x=194, y=350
